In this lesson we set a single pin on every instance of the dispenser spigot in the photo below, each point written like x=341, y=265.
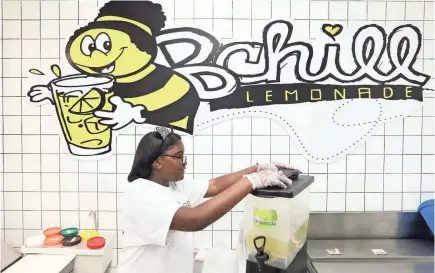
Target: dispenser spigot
x=261, y=256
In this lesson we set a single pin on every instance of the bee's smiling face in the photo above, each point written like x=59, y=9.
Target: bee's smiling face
x=107, y=51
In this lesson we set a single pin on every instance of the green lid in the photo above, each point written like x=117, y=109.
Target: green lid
x=69, y=232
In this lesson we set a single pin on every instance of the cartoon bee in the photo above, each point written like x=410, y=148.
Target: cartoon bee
x=121, y=43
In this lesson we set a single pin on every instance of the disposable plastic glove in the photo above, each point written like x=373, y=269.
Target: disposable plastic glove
x=268, y=178
x=274, y=166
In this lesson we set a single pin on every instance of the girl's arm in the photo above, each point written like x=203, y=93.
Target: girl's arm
x=221, y=183
x=200, y=217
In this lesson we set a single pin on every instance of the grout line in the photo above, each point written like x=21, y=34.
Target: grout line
x=193, y=138
x=426, y=95
x=345, y=184
x=216, y=173
x=3, y=139
x=327, y=187
x=232, y=170
x=56, y=39
x=365, y=175
x=251, y=37
x=116, y=204
x=22, y=165
x=212, y=131
x=403, y=148
x=78, y=165
x=422, y=110
x=383, y=161
x=123, y=192
x=211, y=18
x=231, y=139
x=383, y=168
x=403, y=132
x=60, y=195
x=346, y=174
x=97, y=211
x=126, y=153
x=40, y=113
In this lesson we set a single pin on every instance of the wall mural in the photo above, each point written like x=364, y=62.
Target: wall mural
x=329, y=94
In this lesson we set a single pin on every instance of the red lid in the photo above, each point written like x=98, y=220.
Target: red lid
x=96, y=243
x=53, y=240
x=52, y=231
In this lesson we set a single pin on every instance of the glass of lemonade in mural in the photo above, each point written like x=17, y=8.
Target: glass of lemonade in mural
x=76, y=98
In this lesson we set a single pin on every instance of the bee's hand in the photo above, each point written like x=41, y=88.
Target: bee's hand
x=124, y=114
x=40, y=93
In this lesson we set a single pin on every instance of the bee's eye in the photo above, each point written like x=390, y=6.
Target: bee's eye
x=87, y=45
x=91, y=47
x=103, y=43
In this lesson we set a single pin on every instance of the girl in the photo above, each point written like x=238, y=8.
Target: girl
x=162, y=210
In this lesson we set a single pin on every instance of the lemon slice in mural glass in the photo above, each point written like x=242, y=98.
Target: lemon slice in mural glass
x=88, y=103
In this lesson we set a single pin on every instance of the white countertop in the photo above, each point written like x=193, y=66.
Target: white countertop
x=8, y=255
x=41, y=264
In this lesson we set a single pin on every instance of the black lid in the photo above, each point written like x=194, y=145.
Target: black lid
x=299, y=184
x=72, y=241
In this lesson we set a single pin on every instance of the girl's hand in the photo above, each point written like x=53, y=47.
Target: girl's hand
x=268, y=178
x=274, y=166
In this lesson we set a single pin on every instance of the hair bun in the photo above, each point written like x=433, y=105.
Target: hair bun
x=164, y=132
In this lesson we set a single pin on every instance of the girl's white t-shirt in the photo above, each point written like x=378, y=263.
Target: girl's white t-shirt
x=148, y=244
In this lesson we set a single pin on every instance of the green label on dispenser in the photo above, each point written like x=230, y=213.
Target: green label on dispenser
x=265, y=219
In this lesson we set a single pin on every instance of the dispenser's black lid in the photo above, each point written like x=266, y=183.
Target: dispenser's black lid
x=300, y=183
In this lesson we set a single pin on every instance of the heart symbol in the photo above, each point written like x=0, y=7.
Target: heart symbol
x=332, y=30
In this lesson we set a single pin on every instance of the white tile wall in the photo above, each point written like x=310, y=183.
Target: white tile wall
x=43, y=186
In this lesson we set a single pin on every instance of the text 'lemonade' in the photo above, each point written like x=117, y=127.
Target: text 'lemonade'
x=76, y=98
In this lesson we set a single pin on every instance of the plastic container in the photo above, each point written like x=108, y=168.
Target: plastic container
x=69, y=232
x=53, y=240
x=426, y=210
x=71, y=241
x=276, y=223
x=96, y=243
x=52, y=231
x=35, y=241
x=88, y=234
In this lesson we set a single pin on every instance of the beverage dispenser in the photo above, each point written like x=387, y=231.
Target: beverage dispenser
x=275, y=227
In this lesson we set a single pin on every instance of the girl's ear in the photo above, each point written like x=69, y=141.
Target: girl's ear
x=157, y=165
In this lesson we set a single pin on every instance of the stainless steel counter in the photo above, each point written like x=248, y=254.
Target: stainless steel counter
x=361, y=249
x=374, y=267
x=367, y=225
x=404, y=236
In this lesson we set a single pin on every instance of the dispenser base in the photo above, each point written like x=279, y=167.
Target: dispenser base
x=298, y=265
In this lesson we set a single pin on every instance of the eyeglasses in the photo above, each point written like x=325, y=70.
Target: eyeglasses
x=184, y=158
